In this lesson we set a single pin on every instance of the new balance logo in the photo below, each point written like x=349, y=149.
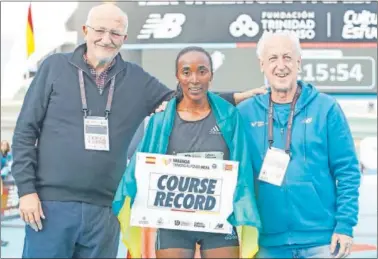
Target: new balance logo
x=214, y=130
x=219, y=226
x=167, y=27
x=307, y=120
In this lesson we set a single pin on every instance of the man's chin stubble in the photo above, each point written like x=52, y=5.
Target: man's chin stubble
x=281, y=90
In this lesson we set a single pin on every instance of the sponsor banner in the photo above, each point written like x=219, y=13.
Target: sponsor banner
x=245, y=21
x=352, y=70
x=184, y=193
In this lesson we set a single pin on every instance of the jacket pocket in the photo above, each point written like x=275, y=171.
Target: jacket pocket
x=272, y=206
x=307, y=212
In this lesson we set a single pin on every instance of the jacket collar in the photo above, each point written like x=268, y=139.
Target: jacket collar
x=78, y=61
x=222, y=111
x=221, y=108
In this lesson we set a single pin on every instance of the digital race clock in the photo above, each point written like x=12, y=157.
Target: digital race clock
x=349, y=73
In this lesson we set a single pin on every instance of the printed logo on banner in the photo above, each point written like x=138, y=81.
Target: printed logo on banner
x=244, y=25
x=199, y=225
x=227, y=167
x=143, y=221
x=180, y=162
x=219, y=226
x=359, y=25
x=210, y=155
x=160, y=221
x=182, y=223
x=167, y=27
x=167, y=161
x=302, y=23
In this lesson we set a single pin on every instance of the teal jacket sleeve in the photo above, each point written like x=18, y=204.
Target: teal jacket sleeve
x=128, y=185
x=345, y=169
x=245, y=207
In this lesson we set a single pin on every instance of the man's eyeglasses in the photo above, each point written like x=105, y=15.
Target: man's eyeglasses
x=100, y=32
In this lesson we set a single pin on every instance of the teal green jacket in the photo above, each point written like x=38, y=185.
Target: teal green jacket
x=229, y=121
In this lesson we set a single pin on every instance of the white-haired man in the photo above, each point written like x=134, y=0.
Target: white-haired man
x=71, y=139
x=304, y=155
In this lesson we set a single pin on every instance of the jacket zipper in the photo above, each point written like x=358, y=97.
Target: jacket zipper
x=282, y=133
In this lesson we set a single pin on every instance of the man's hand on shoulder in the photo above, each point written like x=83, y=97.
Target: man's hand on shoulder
x=161, y=107
x=239, y=97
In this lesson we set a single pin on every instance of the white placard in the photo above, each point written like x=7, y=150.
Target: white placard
x=184, y=193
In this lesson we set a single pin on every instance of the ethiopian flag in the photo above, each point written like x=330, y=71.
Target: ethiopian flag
x=29, y=34
x=140, y=241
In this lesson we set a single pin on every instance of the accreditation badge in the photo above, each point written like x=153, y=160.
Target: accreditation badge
x=274, y=166
x=96, y=133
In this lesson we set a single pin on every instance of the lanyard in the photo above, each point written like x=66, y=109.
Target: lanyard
x=289, y=123
x=84, y=98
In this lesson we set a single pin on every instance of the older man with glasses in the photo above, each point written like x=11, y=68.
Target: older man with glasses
x=71, y=139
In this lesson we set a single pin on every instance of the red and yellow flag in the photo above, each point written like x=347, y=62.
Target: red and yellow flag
x=29, y=34
x=150, y=160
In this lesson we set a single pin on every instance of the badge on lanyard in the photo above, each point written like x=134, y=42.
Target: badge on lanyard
x=96, y=133
x=96, y=129
x=277, y=160
x=274, y=166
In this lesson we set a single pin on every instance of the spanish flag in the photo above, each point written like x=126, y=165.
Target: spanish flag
x=150, y=160
x=29, y=34
x=227, y=167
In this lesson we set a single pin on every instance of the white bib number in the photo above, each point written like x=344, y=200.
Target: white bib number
x=274, y=167
x=96, y=133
